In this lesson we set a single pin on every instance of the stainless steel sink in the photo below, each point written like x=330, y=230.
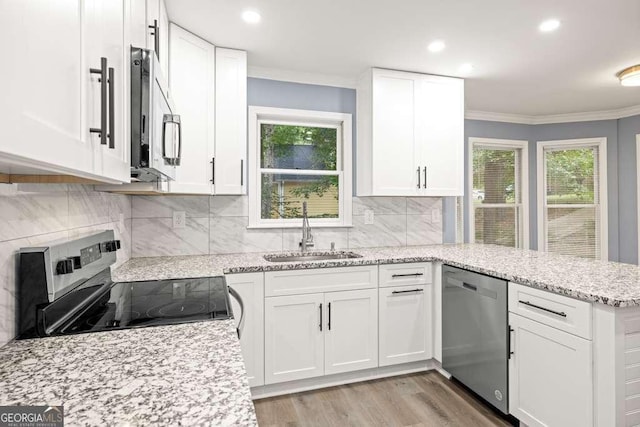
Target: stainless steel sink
x=311, y=256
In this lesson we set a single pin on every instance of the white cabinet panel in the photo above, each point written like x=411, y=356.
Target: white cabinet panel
x=550, y=375
x=192, y=83
x=418, y=273
x=231, y=121
x=405, y=324
x=290, y=282
x=163, y=30
x=250, y=286
x=351, y=335
x=42, y=98
x=393, y=134
x=294, y=341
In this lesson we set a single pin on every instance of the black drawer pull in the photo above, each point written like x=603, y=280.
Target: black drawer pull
x=407, y=291
x=548, y=310
x=407, y=275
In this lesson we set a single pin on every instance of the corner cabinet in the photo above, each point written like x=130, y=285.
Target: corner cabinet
x=53, y=99
x=208, y=86
x=410, y=134
x=250, y=286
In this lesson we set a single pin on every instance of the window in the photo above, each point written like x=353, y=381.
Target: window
x=498, y=209
x=572, y=197
x=299, y=156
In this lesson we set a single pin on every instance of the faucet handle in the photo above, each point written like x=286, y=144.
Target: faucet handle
x=333, y=246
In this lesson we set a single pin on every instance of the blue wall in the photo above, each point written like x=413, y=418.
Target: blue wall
x=621, y=172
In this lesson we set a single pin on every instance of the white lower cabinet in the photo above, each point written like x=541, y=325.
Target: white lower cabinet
x=351, y=334
x=294, y=341
x=320, y=334
x=550, y=375
x=405, y=324
x=250, y=286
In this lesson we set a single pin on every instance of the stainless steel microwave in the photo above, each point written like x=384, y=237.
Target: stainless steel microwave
x=156, y=133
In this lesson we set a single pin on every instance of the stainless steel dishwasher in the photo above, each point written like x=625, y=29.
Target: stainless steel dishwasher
x=475, y=333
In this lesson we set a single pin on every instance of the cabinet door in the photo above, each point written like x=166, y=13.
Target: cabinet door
x=393, y=167
x=108, y=37
x=231, y=121
x=192, y=83
x=153, y=14
x=250, y=286
x=351, y=335
x=405, y=324
x=550, y=375
x=294, y=342
x=439, y=110
x=163, y=30
x=44, y=79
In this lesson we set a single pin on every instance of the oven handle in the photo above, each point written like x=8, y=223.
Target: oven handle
x=238, y=298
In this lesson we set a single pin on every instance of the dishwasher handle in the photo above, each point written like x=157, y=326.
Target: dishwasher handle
x=238, y=298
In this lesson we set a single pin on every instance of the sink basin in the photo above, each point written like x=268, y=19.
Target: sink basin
x=311, y=256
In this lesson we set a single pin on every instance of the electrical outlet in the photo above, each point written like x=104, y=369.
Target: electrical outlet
x=179, y=219
x=436, y=216
x=368, y=216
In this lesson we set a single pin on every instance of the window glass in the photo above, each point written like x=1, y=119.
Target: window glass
x=298, y=147
x=283, y=194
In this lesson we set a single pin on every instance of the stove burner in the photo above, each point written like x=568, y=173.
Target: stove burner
x=177, y=309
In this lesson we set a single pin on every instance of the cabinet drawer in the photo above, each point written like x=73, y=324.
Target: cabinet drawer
x=558, y=311
x=418, y=273
x=294, y=282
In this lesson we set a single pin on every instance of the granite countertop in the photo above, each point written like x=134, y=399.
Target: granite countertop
x=610, y=283
x=187, y=374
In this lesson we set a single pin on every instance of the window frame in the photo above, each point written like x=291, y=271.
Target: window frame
x=522, y=180
x=541, y=182
x=342, y=122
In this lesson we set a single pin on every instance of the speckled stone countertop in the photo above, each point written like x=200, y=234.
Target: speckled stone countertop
x=187, y=374
x=610, y=283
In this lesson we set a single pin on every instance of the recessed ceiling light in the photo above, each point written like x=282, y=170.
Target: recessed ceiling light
x=466, y=68
x=436, y=46
x=251, y=16
x=630, y=76
x=549, y=25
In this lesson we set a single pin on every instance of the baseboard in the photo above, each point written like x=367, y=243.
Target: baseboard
x=308, y=384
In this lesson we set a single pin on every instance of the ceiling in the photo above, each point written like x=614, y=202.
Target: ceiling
x=517, y=69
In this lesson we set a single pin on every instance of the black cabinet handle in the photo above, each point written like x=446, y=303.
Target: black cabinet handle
x=112, y=109
x=102, y=71
x=425, y=177
x=509, y=343
x=407, y=275
x=329, y=324
x=407, y=291
x=320, y=317
x=418, y=176
x=548, y=310
x=241, y=172
x=156, y=37
x=213, y=170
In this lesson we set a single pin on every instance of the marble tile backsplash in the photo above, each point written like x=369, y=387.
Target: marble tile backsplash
x=38, y=214
x=218, y=224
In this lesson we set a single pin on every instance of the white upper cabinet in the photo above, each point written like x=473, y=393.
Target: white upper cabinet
x=192, y=83
x=208, y=86
x=231, y=122
x=410, y=134
x=157, y=31
x=52, y=99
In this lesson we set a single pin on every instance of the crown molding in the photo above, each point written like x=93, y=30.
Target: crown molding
x=589, y=116
x=301, y=77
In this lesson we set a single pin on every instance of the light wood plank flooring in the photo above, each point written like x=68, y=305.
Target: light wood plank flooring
x=424, y=399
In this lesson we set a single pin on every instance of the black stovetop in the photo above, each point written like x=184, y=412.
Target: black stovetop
x=135, y=304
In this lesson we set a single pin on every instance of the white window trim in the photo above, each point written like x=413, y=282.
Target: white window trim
x=345, y=176
x=601, y=143
x=516, y=144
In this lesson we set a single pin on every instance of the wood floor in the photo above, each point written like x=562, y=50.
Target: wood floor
x=424, y=399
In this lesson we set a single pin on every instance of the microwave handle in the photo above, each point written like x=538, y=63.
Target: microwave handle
x=171, y=119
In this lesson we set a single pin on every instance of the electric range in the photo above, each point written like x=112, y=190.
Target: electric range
x=66, y=288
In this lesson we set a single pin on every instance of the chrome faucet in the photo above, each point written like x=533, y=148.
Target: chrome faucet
x=307, y=238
